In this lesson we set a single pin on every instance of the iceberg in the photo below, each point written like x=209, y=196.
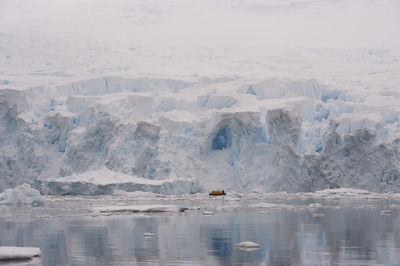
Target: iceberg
x=21, y=195
x=18, y=253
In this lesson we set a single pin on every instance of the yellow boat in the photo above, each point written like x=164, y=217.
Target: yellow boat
x=217, y=193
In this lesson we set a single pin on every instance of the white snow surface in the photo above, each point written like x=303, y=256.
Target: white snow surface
x=181, y=96
x=18, y=253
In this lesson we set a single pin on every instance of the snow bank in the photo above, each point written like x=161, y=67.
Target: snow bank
x=20, y=195
x=18, y=253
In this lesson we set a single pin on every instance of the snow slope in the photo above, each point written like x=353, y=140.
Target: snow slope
x=238, y=95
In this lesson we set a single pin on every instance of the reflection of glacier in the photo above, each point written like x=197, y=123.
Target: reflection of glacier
x=271, y=135
x=343, y=236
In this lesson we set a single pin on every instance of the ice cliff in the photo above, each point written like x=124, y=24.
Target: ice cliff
x=177, y=136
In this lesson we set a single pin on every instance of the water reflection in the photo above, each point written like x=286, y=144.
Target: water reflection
x=287, y=237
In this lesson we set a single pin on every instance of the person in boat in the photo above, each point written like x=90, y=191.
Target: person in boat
x=217, y=192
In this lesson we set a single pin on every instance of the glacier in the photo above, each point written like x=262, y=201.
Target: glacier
x=173, y=136
x=164, y=100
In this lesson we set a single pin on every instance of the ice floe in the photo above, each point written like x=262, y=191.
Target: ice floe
x=247, y=244
x=264, y=205
x=18, y=253
x=135, y=209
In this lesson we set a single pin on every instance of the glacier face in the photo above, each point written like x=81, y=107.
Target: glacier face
x=271, y=135
x=286, y=95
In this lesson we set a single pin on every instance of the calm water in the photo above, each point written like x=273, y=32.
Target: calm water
x=343, y=236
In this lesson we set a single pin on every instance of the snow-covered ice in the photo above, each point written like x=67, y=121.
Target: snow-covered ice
x=18, y=253
x=117, y=100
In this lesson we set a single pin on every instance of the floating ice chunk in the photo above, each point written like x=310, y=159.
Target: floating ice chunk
x=247, y=244
x=20, y=195
x=147, y=234
x=18, y=253
x=134, y=209
x=262, y=205
x=315, y=205
x=265, y=205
